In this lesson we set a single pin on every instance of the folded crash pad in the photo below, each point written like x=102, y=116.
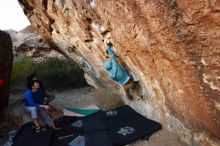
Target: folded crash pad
x=81, y=112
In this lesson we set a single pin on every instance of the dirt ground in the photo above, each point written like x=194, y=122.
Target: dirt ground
x=75, y=98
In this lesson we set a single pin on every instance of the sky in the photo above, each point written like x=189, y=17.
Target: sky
x=12, y=16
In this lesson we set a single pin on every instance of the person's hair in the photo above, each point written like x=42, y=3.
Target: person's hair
x=109, y=44
x=31, y=83
x=31, y=76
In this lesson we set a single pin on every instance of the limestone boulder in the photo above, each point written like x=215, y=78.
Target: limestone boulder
x=171, y=46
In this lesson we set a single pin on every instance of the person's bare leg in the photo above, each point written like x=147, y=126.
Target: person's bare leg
x=128, y=93
x=37, y=125
x=36, y=122
x=136, y=94
x=129, y=85
x=53, y=126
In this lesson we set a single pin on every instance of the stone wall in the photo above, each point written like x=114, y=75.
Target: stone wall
x=171, y=46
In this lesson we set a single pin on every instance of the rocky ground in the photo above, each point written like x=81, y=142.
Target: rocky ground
x=75, y=98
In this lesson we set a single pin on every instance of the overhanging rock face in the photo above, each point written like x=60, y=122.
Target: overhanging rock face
x=172, y=48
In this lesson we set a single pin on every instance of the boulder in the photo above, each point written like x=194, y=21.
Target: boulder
x=171, y=46
x=6, y=62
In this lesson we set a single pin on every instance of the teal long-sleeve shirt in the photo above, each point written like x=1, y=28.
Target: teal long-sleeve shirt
x=115, y=70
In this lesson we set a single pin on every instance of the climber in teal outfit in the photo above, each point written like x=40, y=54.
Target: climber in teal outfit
x=119, y=74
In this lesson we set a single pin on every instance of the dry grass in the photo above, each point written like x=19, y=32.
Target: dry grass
x=108, y=99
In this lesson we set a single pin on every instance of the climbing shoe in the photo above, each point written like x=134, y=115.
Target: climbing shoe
x=57, y=129
x=38, y=129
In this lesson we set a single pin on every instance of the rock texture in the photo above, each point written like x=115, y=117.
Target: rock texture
x=171, y=46
x=6, y=61
x=30, y=42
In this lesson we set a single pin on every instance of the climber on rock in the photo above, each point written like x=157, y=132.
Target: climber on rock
x=118, y=73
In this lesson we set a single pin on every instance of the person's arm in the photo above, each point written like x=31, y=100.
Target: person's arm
x=108, y=65
x=115, y=63
x=114, y=70
x=113, y=56
x=29, y=100
x=111, y=52
x=46, y=107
